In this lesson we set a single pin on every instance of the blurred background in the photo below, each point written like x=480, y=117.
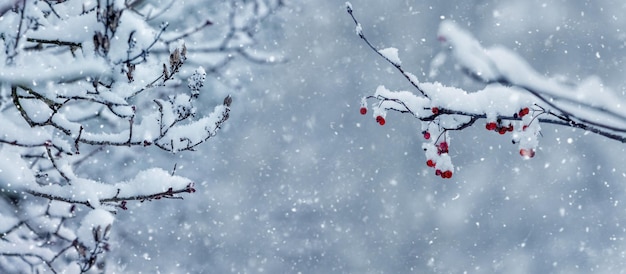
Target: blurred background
x=299, y=182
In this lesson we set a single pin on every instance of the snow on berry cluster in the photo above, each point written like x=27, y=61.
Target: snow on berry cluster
x=448, y=109
x=526, y=134
x=439, y=158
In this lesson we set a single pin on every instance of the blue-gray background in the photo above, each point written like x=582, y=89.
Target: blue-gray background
x=298, y=181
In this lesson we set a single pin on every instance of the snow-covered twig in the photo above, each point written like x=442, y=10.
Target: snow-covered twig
x=170, y=193
x=410, y=77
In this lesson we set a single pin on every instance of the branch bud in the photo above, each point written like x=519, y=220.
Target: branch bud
x=228, y=100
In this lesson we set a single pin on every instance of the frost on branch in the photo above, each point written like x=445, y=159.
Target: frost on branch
x=79, y=79
x=516, y=99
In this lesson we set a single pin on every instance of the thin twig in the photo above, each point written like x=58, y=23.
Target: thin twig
x=406, y=75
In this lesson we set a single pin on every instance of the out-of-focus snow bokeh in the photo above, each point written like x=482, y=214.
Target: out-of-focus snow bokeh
x=299, y=181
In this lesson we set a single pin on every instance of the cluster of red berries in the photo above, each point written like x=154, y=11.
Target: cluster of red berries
x=493, y=126
x=443, y=174
x=498, y=127
x=441, y=149
x=379, y=119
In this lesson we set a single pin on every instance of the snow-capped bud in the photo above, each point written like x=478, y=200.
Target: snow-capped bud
x=196, y=81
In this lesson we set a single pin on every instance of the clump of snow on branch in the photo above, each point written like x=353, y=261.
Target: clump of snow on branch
x=391, y=54
x=150, y=181
x=14, y=171
x=471, y=55
x=147, y=185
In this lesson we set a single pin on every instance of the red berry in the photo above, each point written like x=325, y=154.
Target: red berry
x=523, y=112
x=502, y=130
x=510, y=127
x=524, y=128
x=363, y=110
x=380, y=120
x=527, y=152
x=443, y=147
x=435, y=110
x=446, y=174
x=491, y=126
x=431, y=163
x=438, y=172
x=426, y=135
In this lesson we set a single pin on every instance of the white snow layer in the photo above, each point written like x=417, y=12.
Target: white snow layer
x=392, y=55
x=14, y=171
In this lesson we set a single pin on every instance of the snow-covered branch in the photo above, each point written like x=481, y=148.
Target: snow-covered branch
x=79, y=79
x=516, y=98
x=145, y=186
